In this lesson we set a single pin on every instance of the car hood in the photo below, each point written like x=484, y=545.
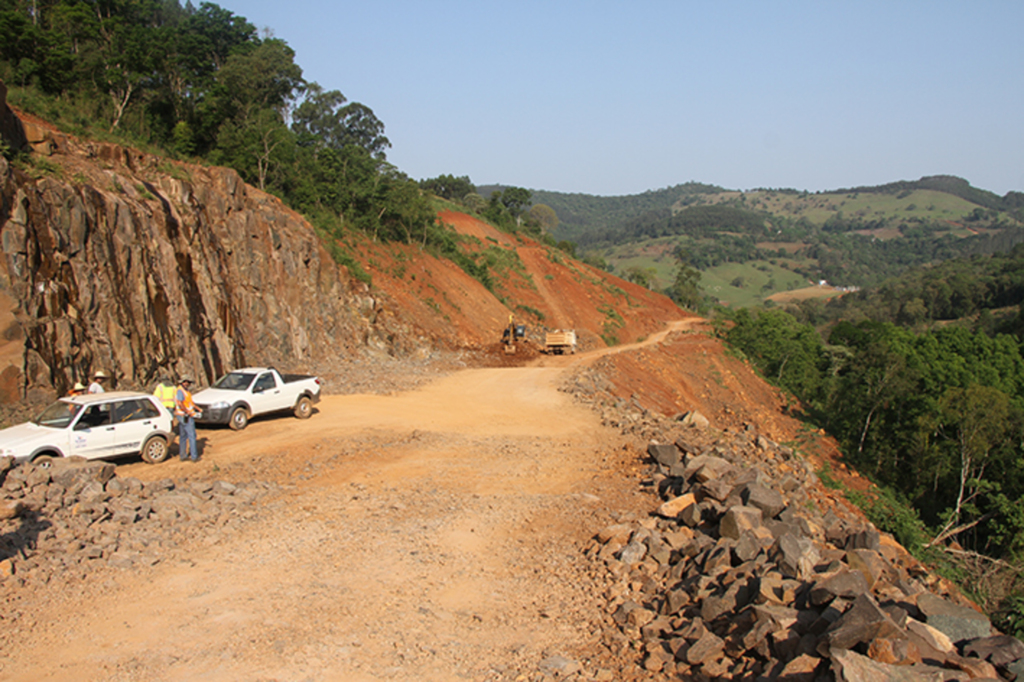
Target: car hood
x=209, y=396
x=20, y=439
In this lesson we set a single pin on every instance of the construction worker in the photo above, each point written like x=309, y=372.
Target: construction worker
x=97, y=381
x=186, y=412
x=164, y=392
x=77, y=389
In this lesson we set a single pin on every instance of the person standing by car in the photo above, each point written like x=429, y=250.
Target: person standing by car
x=97, y=381
x=186, y=413
x=165, y=392
x=77, y=389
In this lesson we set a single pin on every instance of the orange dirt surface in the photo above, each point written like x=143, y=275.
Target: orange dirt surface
x=432, y=534
x=426, y=535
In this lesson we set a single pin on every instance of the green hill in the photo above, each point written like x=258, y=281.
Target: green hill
x=852, y=237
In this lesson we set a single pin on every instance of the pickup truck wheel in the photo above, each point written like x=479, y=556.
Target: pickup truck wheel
x=155, y=450
x=239, y=419
x=304, y=408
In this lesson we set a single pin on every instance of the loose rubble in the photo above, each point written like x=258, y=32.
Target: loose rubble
x=77, y=515
x=748, y=569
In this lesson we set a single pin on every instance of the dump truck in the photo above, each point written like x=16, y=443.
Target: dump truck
x=560, y=341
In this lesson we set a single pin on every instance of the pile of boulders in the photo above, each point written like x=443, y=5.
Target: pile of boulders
x=747, y=571
x=77, y=515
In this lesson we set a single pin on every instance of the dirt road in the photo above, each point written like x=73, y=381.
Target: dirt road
x=428, y=535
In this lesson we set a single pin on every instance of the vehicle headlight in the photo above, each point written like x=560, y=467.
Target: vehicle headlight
x=222, y=405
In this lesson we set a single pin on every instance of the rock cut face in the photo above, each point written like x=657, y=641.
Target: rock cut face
x=121, y=261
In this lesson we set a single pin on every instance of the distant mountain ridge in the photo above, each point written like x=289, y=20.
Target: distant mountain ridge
x=950, y=184
x=580, y=213
x=750, y=245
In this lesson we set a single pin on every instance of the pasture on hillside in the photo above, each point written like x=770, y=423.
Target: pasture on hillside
x=920, y=204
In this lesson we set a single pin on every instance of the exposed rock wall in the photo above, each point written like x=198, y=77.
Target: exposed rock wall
x=117, y=260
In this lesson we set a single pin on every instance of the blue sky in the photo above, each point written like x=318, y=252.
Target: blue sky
x=615, y=98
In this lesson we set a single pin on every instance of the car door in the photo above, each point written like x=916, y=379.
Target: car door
x=92, y=436
x=133, y=420
x=269, y=394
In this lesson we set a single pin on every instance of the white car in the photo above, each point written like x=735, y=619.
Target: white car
x=94, y=426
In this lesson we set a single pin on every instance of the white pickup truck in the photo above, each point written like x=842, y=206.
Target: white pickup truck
x=245, y=393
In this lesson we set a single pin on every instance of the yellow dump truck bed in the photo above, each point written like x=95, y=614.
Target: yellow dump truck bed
x=560, y=341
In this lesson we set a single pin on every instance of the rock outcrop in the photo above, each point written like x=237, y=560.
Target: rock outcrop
x=749, y=569
x=79, y=515
x=118, y=260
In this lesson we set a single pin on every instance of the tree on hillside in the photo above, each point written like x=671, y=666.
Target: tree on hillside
x=265, y=77
x=449, y=187
x=567, y=246
x=474, y=202
x=785, y=352
x=515, y=200
x=545, y=217
x=251, y=98
x=506, y=208
x=324, y=119
x=685, y=290
x=254, y=148
x=977, y=420
x=124, y=61
x=643, y=276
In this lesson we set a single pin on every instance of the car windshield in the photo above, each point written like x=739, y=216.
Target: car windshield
x=58, y=415
x=234, y=381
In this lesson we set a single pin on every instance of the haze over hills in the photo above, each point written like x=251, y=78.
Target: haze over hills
x=752, y=245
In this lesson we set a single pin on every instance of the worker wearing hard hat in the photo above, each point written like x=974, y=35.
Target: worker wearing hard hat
x=97, y=381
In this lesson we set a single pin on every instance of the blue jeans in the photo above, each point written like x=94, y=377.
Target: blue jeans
x=187, y=437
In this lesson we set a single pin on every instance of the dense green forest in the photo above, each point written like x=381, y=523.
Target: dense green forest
x=921, y=380
x=201, y=84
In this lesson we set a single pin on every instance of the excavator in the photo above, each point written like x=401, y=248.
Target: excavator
x=511, y=334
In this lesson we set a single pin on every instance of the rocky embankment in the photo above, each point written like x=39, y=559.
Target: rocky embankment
x=123, y=261
x=77, y=518
x=747, y=568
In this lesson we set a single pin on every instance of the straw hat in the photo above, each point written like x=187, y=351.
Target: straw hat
x=100, y=374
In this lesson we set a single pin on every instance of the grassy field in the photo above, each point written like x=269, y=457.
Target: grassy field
x=924, y=204
x=652, y=255
x=805, y=293
x=756, y=281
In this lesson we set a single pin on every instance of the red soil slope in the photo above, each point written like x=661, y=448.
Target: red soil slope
x=542, y=286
